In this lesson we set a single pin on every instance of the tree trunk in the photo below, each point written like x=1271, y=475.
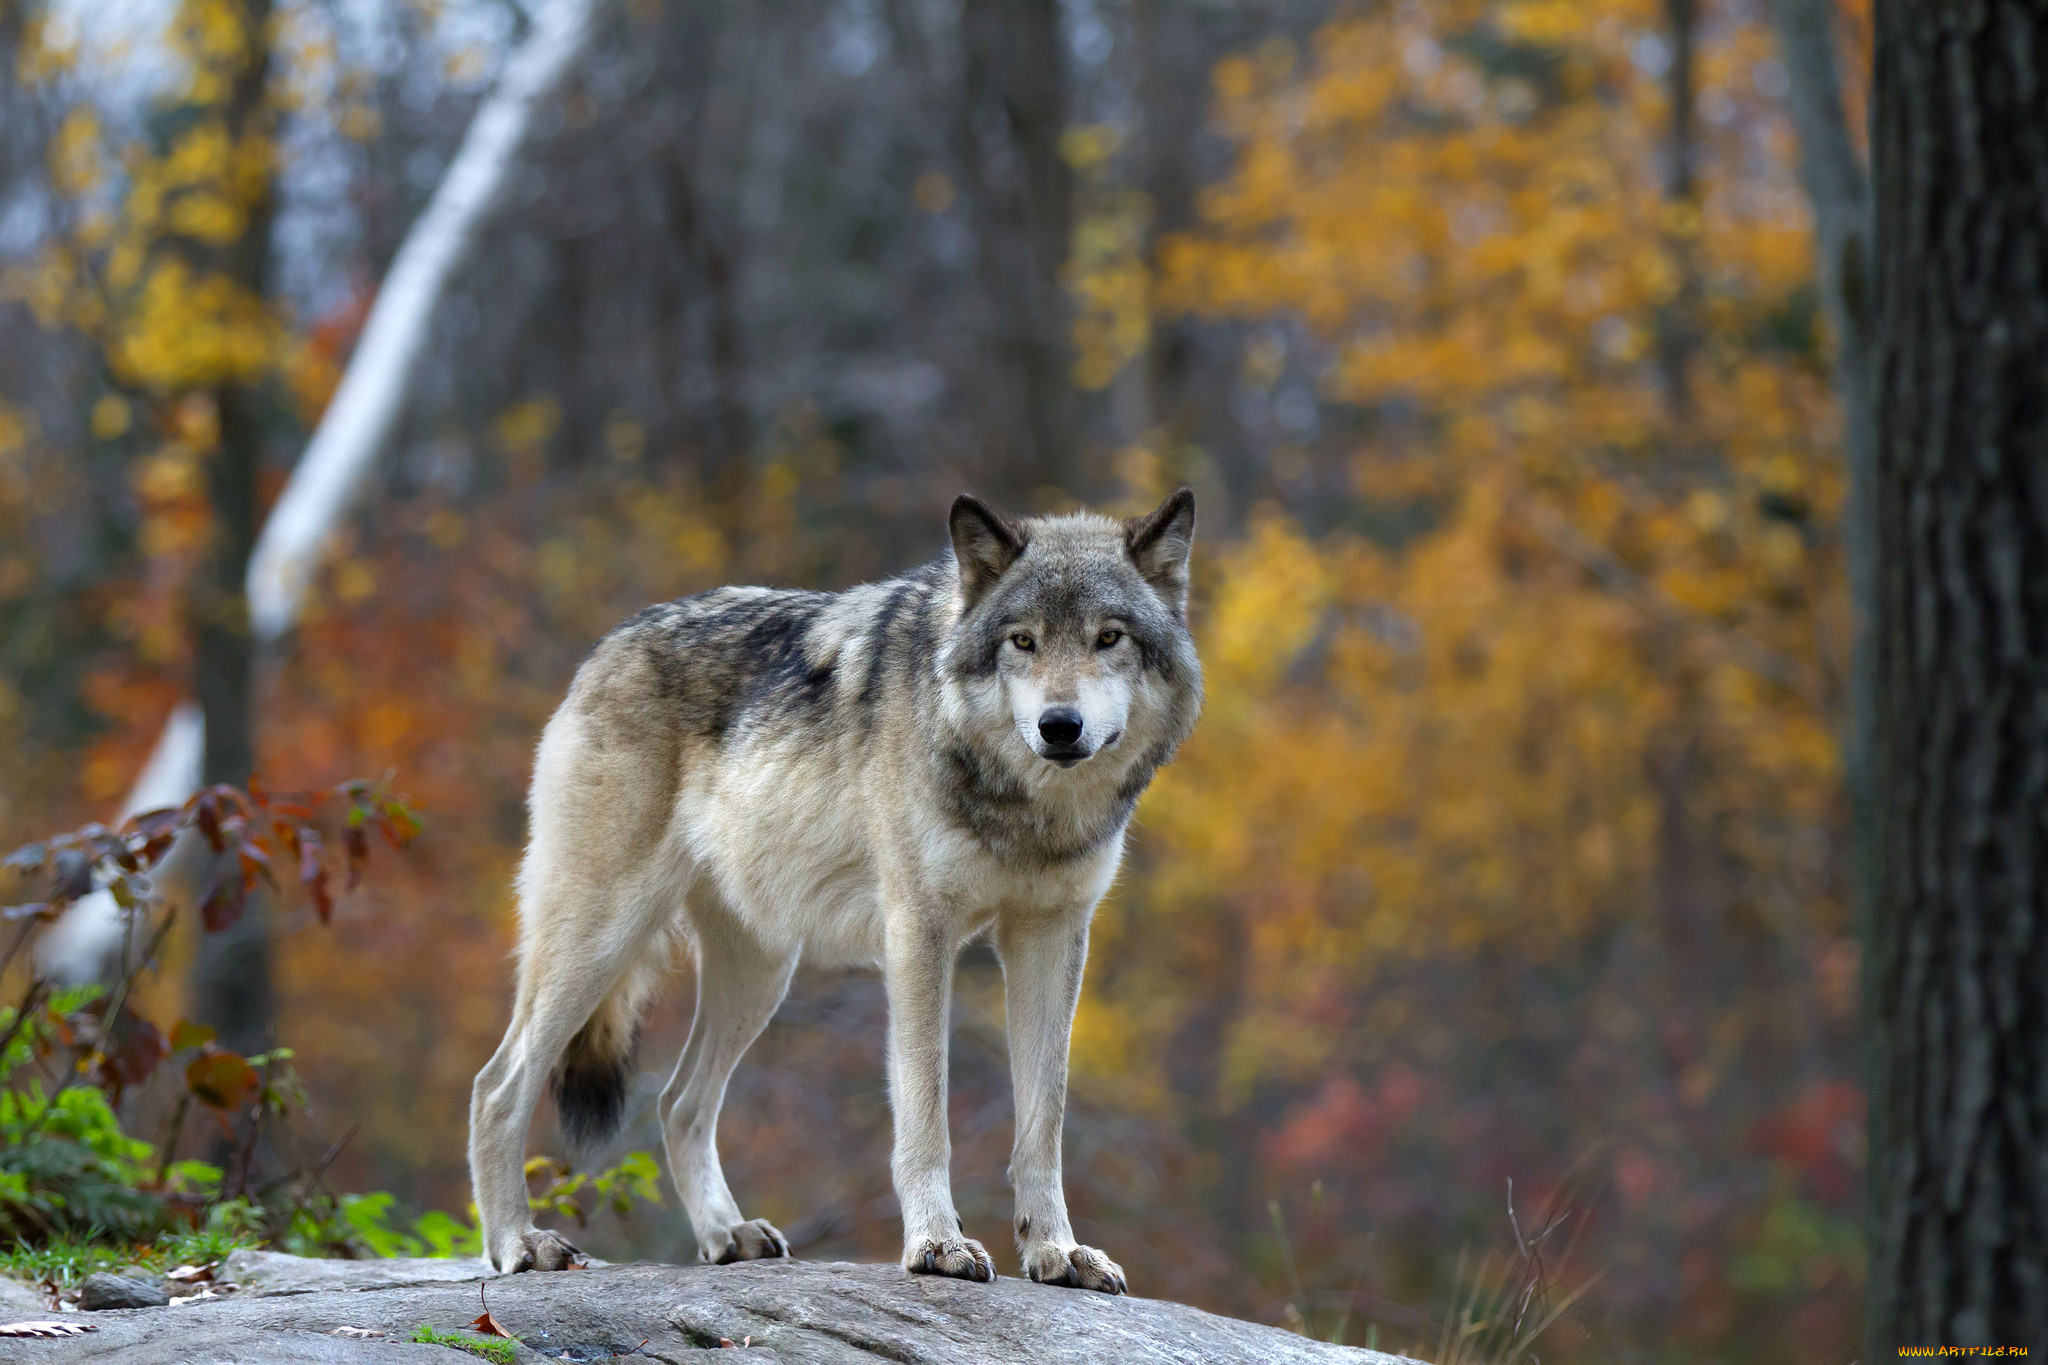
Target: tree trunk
x=1173, y=94
x=1839, y=192
x=1678, y=320
x=1958, y=946
x=231, y=972
x=1020, y=193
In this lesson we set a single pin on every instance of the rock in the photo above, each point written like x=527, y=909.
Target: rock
x=18, y=1300
x=273, y=1272
x=795, y=1312
x=105, y=1290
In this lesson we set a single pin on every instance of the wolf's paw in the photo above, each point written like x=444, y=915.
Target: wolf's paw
x=757, y=1239
x=1076, y=1267
x=963, y=1258
x=536, y=1249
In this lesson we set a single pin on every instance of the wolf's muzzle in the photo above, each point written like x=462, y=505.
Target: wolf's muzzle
x=1060, y=728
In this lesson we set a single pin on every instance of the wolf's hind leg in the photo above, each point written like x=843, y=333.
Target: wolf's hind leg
x=739, y=986
x=561, y=986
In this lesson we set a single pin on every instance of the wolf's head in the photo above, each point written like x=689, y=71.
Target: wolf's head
x=1075, y=628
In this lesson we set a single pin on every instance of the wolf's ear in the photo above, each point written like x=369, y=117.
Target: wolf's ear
x=1160, y=542
x=984, y=544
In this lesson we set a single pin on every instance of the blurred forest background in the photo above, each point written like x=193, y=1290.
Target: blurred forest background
x=1508, y=860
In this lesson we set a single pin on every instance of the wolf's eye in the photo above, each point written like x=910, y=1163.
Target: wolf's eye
x=1108, y=639
x=1023, y=642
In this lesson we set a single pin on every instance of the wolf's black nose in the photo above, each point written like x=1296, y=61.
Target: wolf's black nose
x=1060, y=725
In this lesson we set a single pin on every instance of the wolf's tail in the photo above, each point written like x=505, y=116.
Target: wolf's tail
x=591, y=1080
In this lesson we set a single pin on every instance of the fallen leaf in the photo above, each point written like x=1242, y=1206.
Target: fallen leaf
x=488, y=1325
x=47, y=1329
x=485, y=1323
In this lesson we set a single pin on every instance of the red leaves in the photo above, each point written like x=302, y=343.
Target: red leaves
x=372, y=807
x=312, y=871
x=139, y=1047
x=222, y=1081
x=223, y=904
x=249, y=829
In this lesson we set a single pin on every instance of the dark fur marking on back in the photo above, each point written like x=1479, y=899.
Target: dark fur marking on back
x=878, y=648
x=782, y=670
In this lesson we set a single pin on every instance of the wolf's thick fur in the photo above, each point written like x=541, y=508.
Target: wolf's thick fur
x=875, y=776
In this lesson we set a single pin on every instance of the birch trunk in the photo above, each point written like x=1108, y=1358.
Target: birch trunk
x=330, y=478
x=358, y=423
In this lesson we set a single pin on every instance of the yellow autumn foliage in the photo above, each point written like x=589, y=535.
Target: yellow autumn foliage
x=146, y=280
x=1615, y=616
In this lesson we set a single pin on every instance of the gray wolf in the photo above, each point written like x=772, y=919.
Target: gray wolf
x=753, y=776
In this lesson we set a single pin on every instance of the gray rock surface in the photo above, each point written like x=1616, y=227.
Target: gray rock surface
x=20, y=1301
x=794, y=1312
x=272, y=1272
x=104, y=1290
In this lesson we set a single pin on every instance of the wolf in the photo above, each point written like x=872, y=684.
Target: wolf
x=752, y=777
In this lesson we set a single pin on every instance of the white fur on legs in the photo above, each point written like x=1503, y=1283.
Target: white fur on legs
x=1043, y=960
x=557, y=995
x=500, y=1106
x=918, y=971
x=739, y=986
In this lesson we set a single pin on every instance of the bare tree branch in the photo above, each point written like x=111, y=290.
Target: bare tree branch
x=331, y=475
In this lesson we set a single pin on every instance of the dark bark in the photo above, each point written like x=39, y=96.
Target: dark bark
x=1173, y=93
x=1958, y=951
x=231, y=986
x=1020, y=196
x=1677, y=321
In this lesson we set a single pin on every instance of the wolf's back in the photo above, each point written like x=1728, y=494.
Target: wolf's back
x=692, y=682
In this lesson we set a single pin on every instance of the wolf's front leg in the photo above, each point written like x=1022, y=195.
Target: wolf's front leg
x=1042, y=965
x=918, y=971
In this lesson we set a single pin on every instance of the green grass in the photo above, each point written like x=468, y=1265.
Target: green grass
x=496, y=1349
x=65, y=1261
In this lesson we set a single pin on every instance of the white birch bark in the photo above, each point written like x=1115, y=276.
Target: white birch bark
x=331, y=476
